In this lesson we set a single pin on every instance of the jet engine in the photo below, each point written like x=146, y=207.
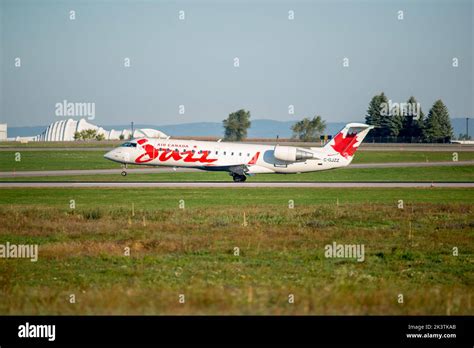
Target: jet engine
x=291, y=154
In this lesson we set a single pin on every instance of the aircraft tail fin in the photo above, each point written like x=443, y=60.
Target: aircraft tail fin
x=348, y=139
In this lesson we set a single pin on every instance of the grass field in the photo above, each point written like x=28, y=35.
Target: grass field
x=192, y=251
x=93, y=159
x=425, y=174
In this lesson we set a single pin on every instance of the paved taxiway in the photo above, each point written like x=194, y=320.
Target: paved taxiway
x=94, y=172
x=219, y=184
x=169, y=170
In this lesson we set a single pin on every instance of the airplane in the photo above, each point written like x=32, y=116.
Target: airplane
x=241, y=159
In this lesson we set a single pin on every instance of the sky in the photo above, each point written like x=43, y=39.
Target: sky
x=184, y=69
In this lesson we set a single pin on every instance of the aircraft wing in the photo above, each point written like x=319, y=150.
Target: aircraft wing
x=240, y=169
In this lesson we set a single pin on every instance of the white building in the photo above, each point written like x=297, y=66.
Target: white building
x=3, y=131
x=64, y=130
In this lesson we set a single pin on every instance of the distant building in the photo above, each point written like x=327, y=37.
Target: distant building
x=64, y=130
x=3, y=131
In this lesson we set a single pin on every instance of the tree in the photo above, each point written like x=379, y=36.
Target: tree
x=236, y=125
x=87, y=134
x=77, y=136
x=100, y=137
x=391, y=124
x=413, y=120
x=121, y=137
x=378, y=107
x=309, y=130
x=438, y=125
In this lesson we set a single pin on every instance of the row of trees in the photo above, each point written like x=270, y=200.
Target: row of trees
x=407, y=121
x=309, y=129
x=88, y=134
x=92, y=134
x=404, y=122
x=237, y=124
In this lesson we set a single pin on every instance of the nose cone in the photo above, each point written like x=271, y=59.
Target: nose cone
x=117, y=155
x=108, y=155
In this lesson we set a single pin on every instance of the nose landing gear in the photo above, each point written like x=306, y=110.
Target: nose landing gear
x=124, y=172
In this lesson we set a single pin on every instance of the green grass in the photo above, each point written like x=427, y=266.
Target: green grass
x=153, y=198
x=409, y=156
x=54, y=160
x=93, y=159
x=424, y=174
x=281, y=251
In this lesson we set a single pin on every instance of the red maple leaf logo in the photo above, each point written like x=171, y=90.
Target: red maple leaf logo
x=345, y=146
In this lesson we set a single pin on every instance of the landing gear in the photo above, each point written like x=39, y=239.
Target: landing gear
x=238, y=177
x=124, y=173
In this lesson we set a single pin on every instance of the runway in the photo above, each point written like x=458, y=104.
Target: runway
x=117, y=172
x=219, y=184
x=52, y=173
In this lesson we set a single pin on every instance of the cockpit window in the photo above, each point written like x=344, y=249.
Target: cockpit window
x=129, y=144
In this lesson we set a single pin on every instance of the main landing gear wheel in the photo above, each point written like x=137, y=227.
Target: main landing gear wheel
x=239, y=178
x=124, y=173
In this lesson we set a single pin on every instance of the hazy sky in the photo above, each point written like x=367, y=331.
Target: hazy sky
x=190, y=62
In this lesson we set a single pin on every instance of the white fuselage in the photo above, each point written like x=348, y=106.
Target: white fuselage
x=211, y=155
